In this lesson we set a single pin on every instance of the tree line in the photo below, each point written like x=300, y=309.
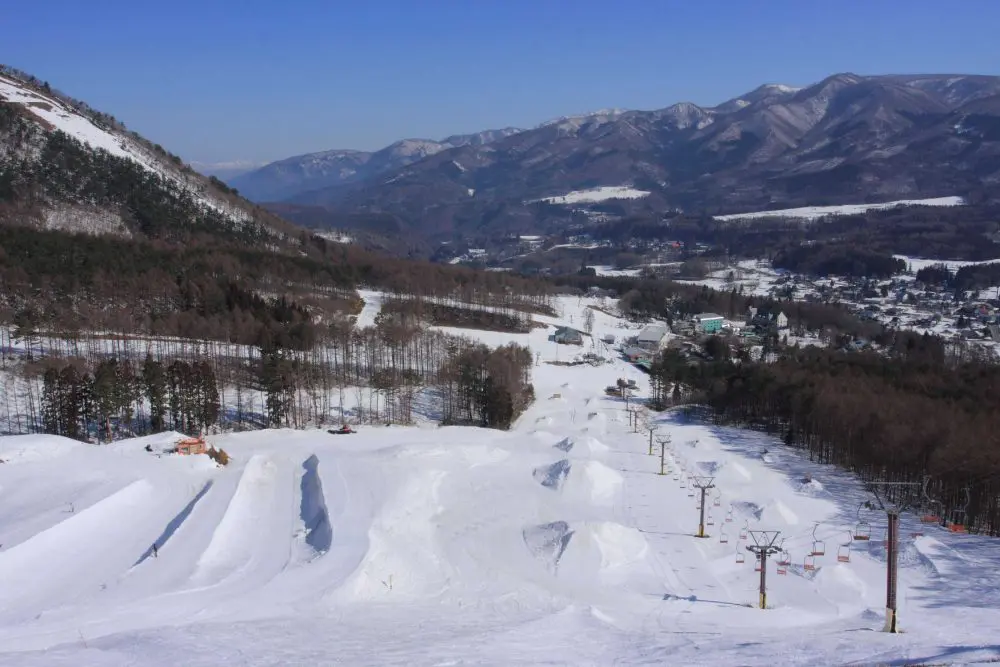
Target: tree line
x=912, y=410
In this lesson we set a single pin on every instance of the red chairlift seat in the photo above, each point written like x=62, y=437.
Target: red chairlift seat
x=782, y=569
x=756, y=567
x=809, y=564
x=844, y=554
x=863, y=531
x=740, y=558
x=818, y=548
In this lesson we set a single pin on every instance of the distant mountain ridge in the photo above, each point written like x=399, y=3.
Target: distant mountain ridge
x=847, y=139
x=314, y=171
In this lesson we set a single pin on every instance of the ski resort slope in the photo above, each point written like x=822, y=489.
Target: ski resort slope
x=554, y=543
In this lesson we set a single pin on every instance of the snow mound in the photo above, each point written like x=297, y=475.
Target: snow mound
x=566, y=444
x=175, y=523
x=709, y=467
x=553, y=476
x=748, y=510
x=232, y=544
x=35, y=448
x=587, y=445
x=404, y=559
x=547, y=542
x=809, y=487
x=591, y=480
x=599, y=547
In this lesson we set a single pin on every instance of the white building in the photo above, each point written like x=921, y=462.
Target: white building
x=652, y=336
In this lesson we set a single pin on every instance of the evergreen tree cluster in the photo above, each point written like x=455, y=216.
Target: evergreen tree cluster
x=103, y=403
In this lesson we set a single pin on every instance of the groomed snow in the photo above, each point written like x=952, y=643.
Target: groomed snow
x=814, y=212
x=553, y=543
x=595, y=195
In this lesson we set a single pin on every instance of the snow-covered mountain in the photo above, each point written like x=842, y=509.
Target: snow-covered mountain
x=226, y=170
x=847, y=139
x=303, y=173
x=70, y=167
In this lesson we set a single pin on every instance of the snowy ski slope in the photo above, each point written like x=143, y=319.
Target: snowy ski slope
x=554, y=543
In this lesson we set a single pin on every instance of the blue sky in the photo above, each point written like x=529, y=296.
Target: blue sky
x=251, y=80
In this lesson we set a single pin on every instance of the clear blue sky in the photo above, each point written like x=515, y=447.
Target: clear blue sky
x=216, y=80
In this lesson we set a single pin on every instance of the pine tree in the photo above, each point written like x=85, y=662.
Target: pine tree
x=154, y=380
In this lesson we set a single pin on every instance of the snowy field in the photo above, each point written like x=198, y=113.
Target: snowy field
x=814, y=212
x=914, y=264
x=595, y=195
x=555, y=543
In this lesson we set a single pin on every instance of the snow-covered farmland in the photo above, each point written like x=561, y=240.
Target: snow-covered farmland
x=916, y=263
x=814, y=212
x=595, y=195
x=553, y=543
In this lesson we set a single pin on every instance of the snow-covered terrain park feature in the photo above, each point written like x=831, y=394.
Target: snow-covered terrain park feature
x=554, y=543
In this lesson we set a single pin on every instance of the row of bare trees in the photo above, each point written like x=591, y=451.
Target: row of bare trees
x=386, y=373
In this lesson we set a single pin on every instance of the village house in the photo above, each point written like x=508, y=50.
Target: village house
x=652, y=336
x=567, y=336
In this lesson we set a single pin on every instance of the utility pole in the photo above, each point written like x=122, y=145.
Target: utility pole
x=703, y=483
x=763, y=547
x=663, y=449
x=893, y=498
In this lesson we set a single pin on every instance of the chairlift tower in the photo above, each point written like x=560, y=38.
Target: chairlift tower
x=663, y=449
x=893, y=498
x=703, y=483
x=651, y=429
x=762, y=547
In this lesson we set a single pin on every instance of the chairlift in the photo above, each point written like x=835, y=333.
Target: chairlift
x=723, y=538
x=819, y=546
x=711, y=520
x=930, y=516
x=809, y=563
x=863, y=529
x=844, y=551
x=744, y=531
x=718, y=498
x=757, y=565
x=958, y=526
x=784, y=558
x=740, y=558
x=782, y=568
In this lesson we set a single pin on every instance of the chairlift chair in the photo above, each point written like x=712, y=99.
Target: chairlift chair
x=784, y=558
x=809, y=563
x=863, y=531
x=723, y=538
x=729, y=515
x=757, y=566
x=844, y=553
x=743, y=532
x=711, y=520
x=782, y=569
x=740, y=558
x=718, y=499
x=818, y=546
